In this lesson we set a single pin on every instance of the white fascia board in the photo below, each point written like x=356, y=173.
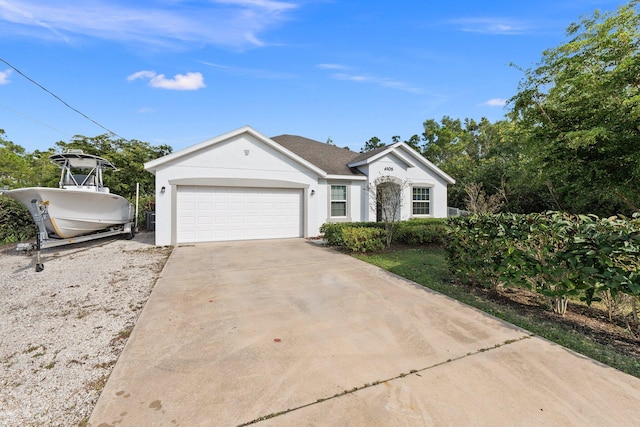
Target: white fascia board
x=421, y=159
x=152, y=165
x=412, y=153
x=372, y=159
x=346, y=177
x=392, y=149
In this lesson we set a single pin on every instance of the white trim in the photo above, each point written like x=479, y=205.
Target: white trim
x=153, y=165
x=347, y=202
x=412, y=153
x=238, y=182
x=430, y=201
x=347, y=177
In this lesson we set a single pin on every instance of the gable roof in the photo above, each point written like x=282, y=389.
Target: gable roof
x=399, y=147
x=367, y=154
x=319, y=157
x=331, y=159
x=153, y=165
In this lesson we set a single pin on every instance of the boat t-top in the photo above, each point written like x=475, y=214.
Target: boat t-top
x=81, y=208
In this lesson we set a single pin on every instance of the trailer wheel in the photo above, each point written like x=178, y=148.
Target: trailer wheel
x=131, y=234
x=39, y=267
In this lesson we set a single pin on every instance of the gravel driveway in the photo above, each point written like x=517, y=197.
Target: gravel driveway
x=62, y=330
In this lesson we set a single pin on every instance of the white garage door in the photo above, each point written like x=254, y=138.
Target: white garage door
x=208, y=214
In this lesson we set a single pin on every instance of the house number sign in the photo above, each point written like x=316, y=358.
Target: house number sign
x=389, y=168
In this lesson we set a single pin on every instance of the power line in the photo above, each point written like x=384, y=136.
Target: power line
x=35, y=120
x=60, y=99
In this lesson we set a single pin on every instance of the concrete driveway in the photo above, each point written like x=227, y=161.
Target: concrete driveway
x=288, y=333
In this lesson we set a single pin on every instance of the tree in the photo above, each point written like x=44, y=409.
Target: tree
x=128, y=156
x=580, y=112
x=372, y=144
x=386, y=198
x=480, y=152
x=479, y=203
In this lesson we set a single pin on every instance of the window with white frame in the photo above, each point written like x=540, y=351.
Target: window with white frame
x=338, y=200
x=421, y=201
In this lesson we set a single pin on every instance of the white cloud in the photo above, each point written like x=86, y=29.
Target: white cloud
x=379, y=81
x=230, y=23
x=141, y=75
x=491, y=25
x=332, y=67
x=4, y=76
x=188, y=81
x=496, y=102
x=251, y=72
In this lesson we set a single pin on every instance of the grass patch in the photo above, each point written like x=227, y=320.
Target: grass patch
x=427, y=266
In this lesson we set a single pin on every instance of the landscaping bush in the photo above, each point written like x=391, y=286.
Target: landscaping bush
x=428, y=231
x=333, y=232
x=364, y=239
x=16, y=223
x=423, y=231
x=556, y=254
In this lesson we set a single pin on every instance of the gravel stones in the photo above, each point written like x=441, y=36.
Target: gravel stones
x=62, y=329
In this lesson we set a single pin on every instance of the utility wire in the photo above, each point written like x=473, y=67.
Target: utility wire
x=35, y=120
x=60, y=99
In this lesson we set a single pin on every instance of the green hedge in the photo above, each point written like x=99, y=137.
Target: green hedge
x=364, y=239
x=556, y=254
x=427, y=231
x=413, y=232
x=15, y=221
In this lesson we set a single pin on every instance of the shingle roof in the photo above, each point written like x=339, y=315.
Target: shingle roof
x=364, y=156
x=329, y=158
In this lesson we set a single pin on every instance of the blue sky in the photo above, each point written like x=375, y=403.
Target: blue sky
x=178, y=72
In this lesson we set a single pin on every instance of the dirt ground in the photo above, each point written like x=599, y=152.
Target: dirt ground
x=63, y=329
x=591, y=321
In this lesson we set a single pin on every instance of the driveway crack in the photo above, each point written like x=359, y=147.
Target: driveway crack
x=375, y=383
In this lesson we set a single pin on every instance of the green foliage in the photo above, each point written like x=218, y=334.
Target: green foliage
x=372, y=144
x=128, y=156
x=333, y=232
x=146, y=203
x=473, y=248
x=21, y=169
x=578, y=113
x=15, y=221
x=417, y=231
x=558, y=255
x=18, y=168
x=364, y=239
x=428, y=231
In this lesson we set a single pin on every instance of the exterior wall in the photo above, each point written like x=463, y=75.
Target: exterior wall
x=356, y=196
x=399, y=166
x=241, y=161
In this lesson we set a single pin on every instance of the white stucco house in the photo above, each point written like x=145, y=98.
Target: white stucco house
x=244, y=185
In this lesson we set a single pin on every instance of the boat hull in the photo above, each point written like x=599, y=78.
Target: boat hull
x=69, y=213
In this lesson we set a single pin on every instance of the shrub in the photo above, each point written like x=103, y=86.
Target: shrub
x=364, y=239
x=333, y=232
x=16, y=223
x=556, y=254
x=428, y=231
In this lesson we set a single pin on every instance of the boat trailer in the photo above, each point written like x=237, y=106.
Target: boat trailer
x=43, y=241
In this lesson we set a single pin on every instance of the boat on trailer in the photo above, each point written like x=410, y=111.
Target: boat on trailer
x=81, y=208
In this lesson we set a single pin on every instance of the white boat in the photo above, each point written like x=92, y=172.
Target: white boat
x=81, y=204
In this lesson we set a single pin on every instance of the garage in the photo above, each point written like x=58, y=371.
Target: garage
x=206, y=214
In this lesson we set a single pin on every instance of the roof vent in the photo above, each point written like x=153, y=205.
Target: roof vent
x=74, y=151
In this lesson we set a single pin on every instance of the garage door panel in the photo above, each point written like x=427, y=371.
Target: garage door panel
x=228, y=213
